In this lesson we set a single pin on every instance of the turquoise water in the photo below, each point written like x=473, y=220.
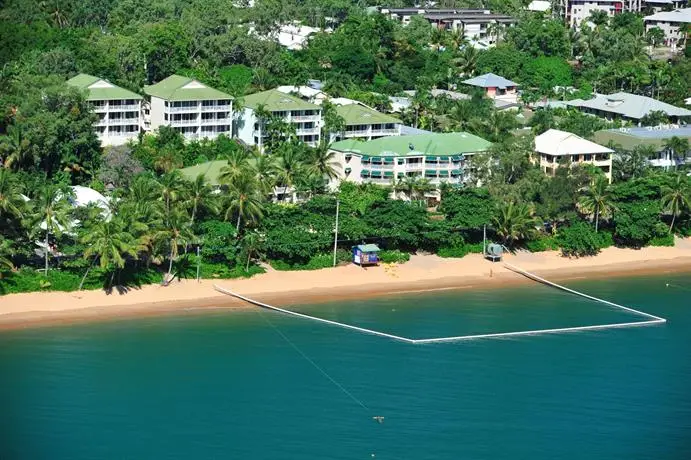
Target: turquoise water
x=227, y=385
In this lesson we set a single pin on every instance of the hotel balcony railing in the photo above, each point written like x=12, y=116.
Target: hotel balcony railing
x=100, y=108
x=123, y=121
x=376, y=132
x=304, y=118
x=307, y=131
x=102, y=122
x=122, y=134
x=124, y=108
x=413, y=166
x=216, y=108
x=360, y=133
x=216, y=121
x=386, y=166
x=194, y=108
x=184, y=122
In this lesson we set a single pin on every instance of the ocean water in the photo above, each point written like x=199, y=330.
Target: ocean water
x=260, y=385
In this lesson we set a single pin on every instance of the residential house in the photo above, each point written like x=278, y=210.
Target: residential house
x=539, y=6
x=190, y=107
x=575, y=12
x=303, y=115
x=496, y=87
x=673, y=23
x=655, y=137
x=307, y=93
x=555, y=148
x=438, y=157
x=627, y=106
x=119, y=110
x=655, y=6
x=364, y=122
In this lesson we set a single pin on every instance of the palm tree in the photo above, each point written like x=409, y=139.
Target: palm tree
x=466, y=62
x=167, y=160
x=413, y=187
x=51, y=210
x=172, y=187
x=252, y=244
x=245, y=200
x=178, y=232
x=237, y=165
x=290, y=169
x=676, y=198
x=109, y=242
x=678, y=146
x=597, y=200
x=514, y=221
x=264, y=169
x=16, y=149
x=199, y=195
x=11, y=201
x=321, y=161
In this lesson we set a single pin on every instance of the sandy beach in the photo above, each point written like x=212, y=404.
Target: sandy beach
x=421, y=273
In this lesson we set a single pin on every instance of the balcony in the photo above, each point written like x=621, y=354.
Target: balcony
x=307, y=131
x=216, y=108
x=298, y=118
x=123, y=121
x=124, y=108
x=413, y=166
x=384, y=132
x=360, y=133
x=666, y=163
x=184, y=122
x=216, y=121
x=380, y=166
x=102, y=122
x=194, y=108
x=100, y=108
x=122, y=134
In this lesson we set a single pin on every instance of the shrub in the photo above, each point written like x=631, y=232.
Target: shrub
x=460, y=251
x=316, y=262
x=394, y=256
x=223, y=271
x=665, y=240
x=579, y=239
x=544, y=243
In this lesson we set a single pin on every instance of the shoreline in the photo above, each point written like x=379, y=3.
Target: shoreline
x=423, y=273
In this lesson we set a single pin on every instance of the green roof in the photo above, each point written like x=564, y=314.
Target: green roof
x=276, y=101
x=109, y=91
x=210, y=169
x=629, y=138
x=356, y=114
x=433, y=144
x=368, y=248
x=177, y=88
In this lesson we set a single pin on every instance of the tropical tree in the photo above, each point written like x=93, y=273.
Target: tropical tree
x=290, y=168
x=414, y=187
x=252, y=243
x=321, y=161
x=597, y=200
x=199, y=196
x=172, y=188
x=244, y=200
x=679, y=146
x=514, y=222
x=109, y=242
x=237, y=164
x=12, y=203
x=178, y=232
x=51, y=214
x=676, y=198
x=264, y=169
x=15, y=149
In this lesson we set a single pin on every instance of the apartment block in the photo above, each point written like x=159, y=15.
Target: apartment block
x=190, y=107
x=364, y=122
x=119, y=110
x=303, y=115
x=672, y=23
x=555, y=148
x=577, y=11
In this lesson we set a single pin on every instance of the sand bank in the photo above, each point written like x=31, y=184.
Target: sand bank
x=422, y=273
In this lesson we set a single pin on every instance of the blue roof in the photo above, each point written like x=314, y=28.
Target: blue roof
x=490, y=80
x=650, y=132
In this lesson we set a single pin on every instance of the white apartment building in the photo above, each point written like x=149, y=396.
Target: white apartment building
x=364, y=122
x=553, y=147
x=672, y=24
x=190, y=107
x=303, y=115
x=119, y=110
x=576, y=11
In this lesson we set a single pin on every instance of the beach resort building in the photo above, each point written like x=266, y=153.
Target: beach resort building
x=655, y=137
x=190, y=107
x=575, y=12
x=306, y=93
x=627, y=106
x=539, y=6
x=495, y=87
x=364, y=122
x=673, y=23
x=438, y=157
x=303, y=115
x=554, y=148
x=119, y=110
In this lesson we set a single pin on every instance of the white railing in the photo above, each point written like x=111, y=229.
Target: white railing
x=381, y=166
x=384, y=131
x=103, y=122
x=662, y=162
x=184, y=122
x=193, y=108
x=217, y=121
x=100, y=108
x=215, y=108
x=121, y=134
x=360, y=133
x=124, y=108
x=413, y=167
x=123, y=121
x=307, y=131
x=304, y=118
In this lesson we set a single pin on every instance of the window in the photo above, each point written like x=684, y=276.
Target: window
x=165, y=116
x=587, y=157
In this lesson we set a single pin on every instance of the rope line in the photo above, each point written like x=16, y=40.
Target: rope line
x=651, y=321
x=309, y=360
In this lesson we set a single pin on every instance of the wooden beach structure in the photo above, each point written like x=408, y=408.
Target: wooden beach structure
x=366, y=254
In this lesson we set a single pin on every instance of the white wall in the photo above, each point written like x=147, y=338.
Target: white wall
x=244, y=126
x=157, y=111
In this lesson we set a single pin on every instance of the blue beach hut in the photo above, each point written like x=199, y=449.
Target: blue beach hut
x=366, y=254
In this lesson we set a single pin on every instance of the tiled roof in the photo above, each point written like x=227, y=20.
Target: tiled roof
x=276, y=101
x=178, y=88
x=443, y=144
x=490, y=80
x=99, y=89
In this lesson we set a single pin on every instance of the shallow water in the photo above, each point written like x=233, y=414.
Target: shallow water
x=230, y=385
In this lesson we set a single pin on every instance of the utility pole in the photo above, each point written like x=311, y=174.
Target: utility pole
x=338, y=204
x=199, y=261
x=484, y=240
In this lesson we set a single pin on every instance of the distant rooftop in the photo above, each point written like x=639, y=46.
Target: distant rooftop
x=276, y=101
x=539, y=5
x=358, y=114
x=559, y=143
x=629, y=105
x=680, y=15
x=440, y=144
x=655, y=137
x=490, y=80
x=179, y=88
x=99, y=89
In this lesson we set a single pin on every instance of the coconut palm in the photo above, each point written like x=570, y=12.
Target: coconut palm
x=15, y=149
x=514, y=222
x=109, y=242
x=676, y=198
x=414, y=187
x=244, y=200
x=177, y=232
x=290, y=168
x=172, y=187
x=679, y=146
x=252, y=244
x=12, y=202
x=51, y=214
x=237, y=165
x=264, y=169
x=199, y=195
x=597, y=200
x=321, y=161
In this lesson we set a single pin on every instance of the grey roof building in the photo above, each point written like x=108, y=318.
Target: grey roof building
x=490, y=80
x=628, y=106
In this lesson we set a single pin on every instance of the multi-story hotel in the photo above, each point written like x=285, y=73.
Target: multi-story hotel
x=190, y=107
x=303, y=115
x=438, y=157
x=364, y=122
x=577, y=11
x=554, y=148
x=119, y=110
